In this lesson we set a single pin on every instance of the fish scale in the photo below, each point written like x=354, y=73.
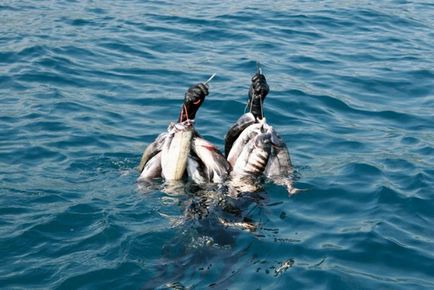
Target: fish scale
x=175, y=152
x=246, y=135
x=254, y=157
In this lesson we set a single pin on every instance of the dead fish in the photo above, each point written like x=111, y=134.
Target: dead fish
x=196, y=169
x=215, y=166
x=248, y=161
x=279, y=163
x=168, y=154
x=175, y=151
x=151, y=150
x=242, y=123
x=152, y=168
x=279, y=167
x=246, y=135
x=254, y=157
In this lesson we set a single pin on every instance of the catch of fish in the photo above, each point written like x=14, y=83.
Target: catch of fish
x=253, y=149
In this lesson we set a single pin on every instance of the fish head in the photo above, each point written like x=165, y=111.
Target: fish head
x=184, y=126
x=276, y=140
x=263, y=141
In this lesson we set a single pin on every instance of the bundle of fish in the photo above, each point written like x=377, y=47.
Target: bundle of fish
x=253, y=148
x=181, y=152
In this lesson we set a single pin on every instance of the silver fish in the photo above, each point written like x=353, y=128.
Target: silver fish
x=254, y=157
x=216, y=166
x=175, y=151
x=151, y=150
x=195, y=170
x=242, y=123
x=246, y=225
x=248, y=133
x=279, y=167
x=279, y=163
x=152, y=168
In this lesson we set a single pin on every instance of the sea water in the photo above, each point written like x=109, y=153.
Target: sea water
x=86, y=85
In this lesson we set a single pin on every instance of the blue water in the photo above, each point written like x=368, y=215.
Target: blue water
x=85, y=85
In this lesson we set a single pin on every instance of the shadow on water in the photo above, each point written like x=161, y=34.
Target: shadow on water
x=214, y=236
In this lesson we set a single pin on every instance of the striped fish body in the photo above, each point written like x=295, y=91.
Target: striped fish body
x=248, y=134
x=254, y=157
x=279, y=164
x=242, y=123
x=175, y=151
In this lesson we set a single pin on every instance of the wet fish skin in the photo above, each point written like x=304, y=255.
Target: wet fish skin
x=151, y=150
x=152, y=168
x=195, y=170
x=254, y=157
x=242, y=123
x=175, y=151
x=246, y=135
x=216, y=166
x=279, y=163
x=279, y=167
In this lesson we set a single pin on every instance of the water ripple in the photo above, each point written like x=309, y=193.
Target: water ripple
x=84, y=86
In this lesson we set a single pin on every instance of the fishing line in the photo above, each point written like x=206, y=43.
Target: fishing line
x=214, y=74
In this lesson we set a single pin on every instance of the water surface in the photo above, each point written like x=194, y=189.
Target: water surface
x=85, y=85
